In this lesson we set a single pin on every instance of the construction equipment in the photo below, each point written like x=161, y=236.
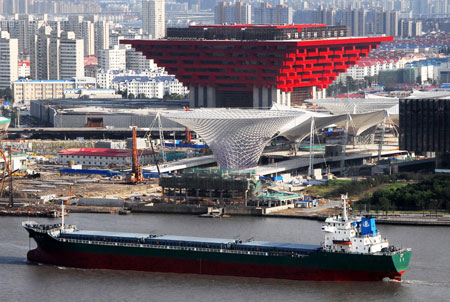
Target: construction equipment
x=7, y=168
x=136, y=169
x=188, y=131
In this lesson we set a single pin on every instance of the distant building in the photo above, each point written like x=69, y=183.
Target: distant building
x=23, y=69
x=91, y=94
x=105, y=78
x=355, y=20
x=153, y=18
x=238, y=12
x=107, y=113
x=25, y=90
x=102, y=157
x=387, y=22
x=266, y=14
x=101, y=35
x=8, y=60
x=112, y=59
x=71, y=56
x=410, y=28
x=135, y=60
x=146, y=87
x=56, y=55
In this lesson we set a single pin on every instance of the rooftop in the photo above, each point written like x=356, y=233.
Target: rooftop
x=257, y=32
x=44, y=81
x=143, y=79
x=102, y=152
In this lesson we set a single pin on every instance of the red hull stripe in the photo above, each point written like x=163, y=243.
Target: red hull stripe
x=171, y=265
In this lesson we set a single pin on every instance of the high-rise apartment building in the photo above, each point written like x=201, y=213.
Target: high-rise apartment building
x=355, y=20
x=71, y=56
x=112, y=59
x=153, y=18
x=55, y=55
x=410, y=28
x=9, y=58
x=327, y=16
x=387, y=22
x=227, y=12
x=101, y=35
x=40, y=54
x=87, y=34
x=266, y=14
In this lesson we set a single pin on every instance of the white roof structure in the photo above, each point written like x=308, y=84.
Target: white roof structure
x=433, y=94
x=236, y=137
x=358, y=105
x=358, y=123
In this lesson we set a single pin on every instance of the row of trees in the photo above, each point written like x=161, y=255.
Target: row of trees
x=357, y=187
x=431, y=193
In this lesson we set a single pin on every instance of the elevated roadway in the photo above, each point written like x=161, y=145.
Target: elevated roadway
x=185, y=163
x=73, y=133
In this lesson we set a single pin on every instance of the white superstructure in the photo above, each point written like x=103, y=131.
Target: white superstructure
x=357, y=235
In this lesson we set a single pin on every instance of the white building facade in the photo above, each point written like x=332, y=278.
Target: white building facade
x=104, y=78
x=112, y=59
x=146, y=87
x=71, y=56
x=9, y=58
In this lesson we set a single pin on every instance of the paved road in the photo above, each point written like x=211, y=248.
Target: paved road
x=329, y=205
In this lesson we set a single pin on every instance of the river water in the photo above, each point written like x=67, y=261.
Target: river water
x=427, y=279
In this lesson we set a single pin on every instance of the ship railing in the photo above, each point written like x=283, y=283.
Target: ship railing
x=183, y=248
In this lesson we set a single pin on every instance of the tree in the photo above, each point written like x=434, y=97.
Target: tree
x=385, y=204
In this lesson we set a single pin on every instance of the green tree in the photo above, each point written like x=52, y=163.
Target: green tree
x=385, y=204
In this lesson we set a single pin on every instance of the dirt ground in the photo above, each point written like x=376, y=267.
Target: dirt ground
x=90, y=186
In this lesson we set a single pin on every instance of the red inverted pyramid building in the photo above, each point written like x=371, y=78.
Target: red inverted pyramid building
x=256, y=65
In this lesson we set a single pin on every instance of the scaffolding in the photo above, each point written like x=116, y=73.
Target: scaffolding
x=219, y=185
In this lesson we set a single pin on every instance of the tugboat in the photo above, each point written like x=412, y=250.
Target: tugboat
x=353, y=250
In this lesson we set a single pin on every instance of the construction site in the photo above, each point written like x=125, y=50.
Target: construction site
x=241, y=161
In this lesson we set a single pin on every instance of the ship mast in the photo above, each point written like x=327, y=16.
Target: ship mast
x=62, y=216
x=344, y=213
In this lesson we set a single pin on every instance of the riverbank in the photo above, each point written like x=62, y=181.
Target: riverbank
x=159, y=208
x=419, y=221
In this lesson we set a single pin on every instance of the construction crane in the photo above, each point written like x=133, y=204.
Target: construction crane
x=188, y=131
x=7, y=168
x=136, y=169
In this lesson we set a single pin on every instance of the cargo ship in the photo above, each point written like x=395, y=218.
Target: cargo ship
x=352, y=250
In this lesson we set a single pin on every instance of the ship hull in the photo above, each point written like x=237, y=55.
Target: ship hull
x=320, y=266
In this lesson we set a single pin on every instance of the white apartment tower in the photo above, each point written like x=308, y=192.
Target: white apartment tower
x=112, y=59
x=153, y=18
x=9, y=58
x=71, y=56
